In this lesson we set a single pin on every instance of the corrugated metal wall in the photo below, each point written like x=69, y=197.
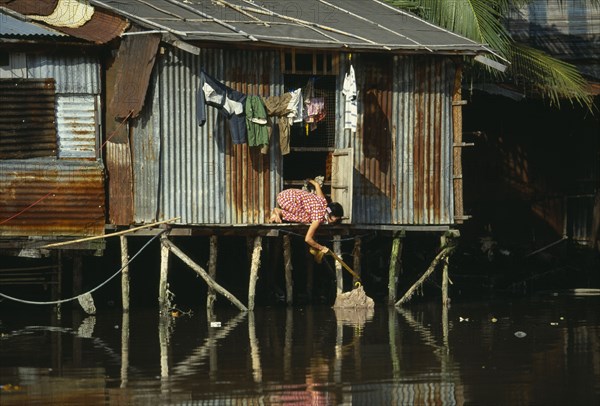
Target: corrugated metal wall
x=402, y=149
x=49, y=196
x=196, y=173
x=403, y=146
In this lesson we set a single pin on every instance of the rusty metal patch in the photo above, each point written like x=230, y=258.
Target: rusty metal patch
x=27, y=124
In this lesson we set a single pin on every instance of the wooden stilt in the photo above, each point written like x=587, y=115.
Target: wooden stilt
x=441, y=256
x=445, y=283
x=198, y=269
x=163, y=300
x=77, y=274
x=59, y=276
x=395, y=265
x=339, y=277
x=255, y=264
x=212, y=272
x=124, y=274
x=356, y=255
x=287, y=263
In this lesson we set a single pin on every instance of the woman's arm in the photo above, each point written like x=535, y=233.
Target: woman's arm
x=308, y=238
x=318, y=189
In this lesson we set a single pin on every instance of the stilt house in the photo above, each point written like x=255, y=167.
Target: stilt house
x=160, y=151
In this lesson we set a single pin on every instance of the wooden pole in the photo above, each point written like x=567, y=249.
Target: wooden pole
x=99, y=237
x=211, y=296
x=287, y=265
x=395, y=261
x=356, y=255
x=439, y=257
x=77, y=274
x=339, y=277
x=163, y=301
x=124, y=274
x=198, y=269
x=445, y=283
x=255, y=264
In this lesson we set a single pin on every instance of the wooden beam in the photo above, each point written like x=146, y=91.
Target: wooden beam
x=198, y=269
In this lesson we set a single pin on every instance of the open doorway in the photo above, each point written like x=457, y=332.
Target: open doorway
x=312, y=144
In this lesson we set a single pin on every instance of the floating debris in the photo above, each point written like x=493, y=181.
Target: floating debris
x=520, y=334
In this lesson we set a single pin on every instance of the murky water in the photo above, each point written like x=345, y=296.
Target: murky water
x=543, y=350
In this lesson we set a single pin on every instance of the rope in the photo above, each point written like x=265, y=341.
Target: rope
x=90, y=291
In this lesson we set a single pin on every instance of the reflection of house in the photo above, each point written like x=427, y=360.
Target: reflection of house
x=400, y=167
x=538, y=167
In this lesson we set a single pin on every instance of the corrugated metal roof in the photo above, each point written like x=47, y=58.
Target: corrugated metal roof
x=568, y=31
x=346, y=24
x=13, y=27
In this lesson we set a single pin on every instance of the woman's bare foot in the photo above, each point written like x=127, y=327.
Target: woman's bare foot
x=275, y=216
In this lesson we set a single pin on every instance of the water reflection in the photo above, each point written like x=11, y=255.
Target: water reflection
x=418, y=354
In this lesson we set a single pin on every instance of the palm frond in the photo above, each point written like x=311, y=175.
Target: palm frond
x=548, y=76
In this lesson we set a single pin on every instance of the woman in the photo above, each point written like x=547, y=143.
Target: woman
x=300, y=206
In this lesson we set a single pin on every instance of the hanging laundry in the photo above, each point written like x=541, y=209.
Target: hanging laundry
x=281, y=107
x=296, y=106
x=351, y=102
x=315, y=111
x=256, y=122
x=228, y=101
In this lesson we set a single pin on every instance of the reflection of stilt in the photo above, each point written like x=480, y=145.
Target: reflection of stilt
x=163, y=337
x=393, y=349
x=337, y=248
x=395, y=266
x=254, y=265
x=186, y=367
x=288, y=344
x=211, y=296
x=124, y=274
x=254, y=349
x=287, y=264
x=339, y=353
x=124, y=349
x=166, y=243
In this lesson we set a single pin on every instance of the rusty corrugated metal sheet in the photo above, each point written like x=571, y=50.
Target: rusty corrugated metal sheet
x=51, y=198
x=374, y=140
x=248, y=170
x=193, y=172
x=134, y=64
x=42, y=7
x=27, y=127
x=76, y=120
x=103, y=27
x=403, y=146
x=120, y=189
